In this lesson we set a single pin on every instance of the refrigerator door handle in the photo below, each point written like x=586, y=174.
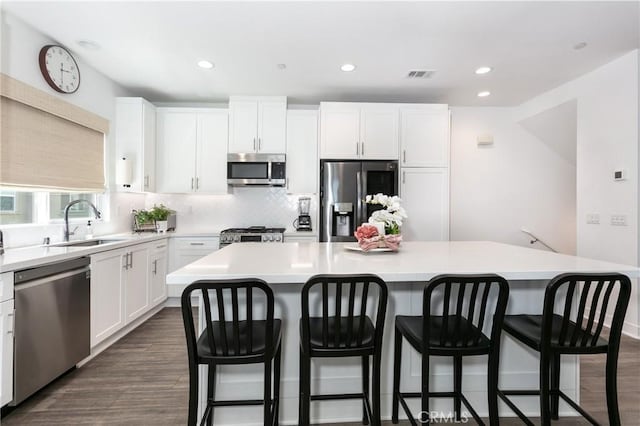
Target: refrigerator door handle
x=358, y=216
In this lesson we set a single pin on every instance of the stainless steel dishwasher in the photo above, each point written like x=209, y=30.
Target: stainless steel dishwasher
x=52, y=323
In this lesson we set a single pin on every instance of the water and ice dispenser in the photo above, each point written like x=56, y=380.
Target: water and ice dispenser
x=342, y=221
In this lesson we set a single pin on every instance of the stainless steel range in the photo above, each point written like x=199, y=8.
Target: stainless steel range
x=252, y=234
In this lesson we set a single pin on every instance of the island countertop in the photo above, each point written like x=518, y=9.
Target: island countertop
x=415, y=261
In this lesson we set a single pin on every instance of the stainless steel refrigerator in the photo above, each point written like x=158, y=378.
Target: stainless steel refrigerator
x=343, y=188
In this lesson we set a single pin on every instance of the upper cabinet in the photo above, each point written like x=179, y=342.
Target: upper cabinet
x=257, y=124
x=424, y=135
x=302, y=151
x=136, y=141
x=192, y=150
x=358, y=131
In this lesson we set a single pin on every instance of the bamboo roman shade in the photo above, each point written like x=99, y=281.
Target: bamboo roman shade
x=48, y=143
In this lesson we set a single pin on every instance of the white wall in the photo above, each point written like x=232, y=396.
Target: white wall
x=20, y=46
x=516, y=182
x=607, y=135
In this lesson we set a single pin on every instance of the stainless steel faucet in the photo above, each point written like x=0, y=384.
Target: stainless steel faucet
x=66, y=215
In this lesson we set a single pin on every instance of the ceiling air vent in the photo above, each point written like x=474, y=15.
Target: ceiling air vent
x=420, y=73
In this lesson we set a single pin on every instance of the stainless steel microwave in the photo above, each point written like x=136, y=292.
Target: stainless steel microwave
x=256, y=169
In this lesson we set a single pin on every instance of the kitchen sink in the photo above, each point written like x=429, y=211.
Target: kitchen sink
x=87, y=243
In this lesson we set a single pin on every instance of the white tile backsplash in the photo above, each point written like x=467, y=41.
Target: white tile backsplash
x=243, y=206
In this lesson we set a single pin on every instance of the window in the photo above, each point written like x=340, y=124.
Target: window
x=16, y=207
x=58, y=201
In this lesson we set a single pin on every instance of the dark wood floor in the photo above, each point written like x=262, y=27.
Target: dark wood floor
x=142, y=380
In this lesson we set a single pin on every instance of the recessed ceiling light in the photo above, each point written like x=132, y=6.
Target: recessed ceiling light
x=483, y=70
x=205, y=64
x=484, y=94
x=88, y=44
x=580, y=45
x=348, y=67
x=282, y=66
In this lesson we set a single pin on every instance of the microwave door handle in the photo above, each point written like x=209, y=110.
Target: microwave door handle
x=269, y=170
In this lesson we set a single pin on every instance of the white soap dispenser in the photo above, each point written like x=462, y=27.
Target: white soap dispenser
x=89, y=234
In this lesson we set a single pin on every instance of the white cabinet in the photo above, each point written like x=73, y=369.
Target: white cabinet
x=185, y=250
x=425, y=196
x=424, y=136
x=107, y=293
x=257, y=124
x=358, y=130
x=136, y=141
x=158, y=272
x=6, y=337
x=192, y=150
x=302, y=151
x=300, y=238
x=136, y=283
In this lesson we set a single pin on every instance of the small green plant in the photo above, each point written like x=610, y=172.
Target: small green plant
x=143, y=217
x=159, y=213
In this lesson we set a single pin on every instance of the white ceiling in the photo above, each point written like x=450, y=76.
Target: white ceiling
x=152, y=47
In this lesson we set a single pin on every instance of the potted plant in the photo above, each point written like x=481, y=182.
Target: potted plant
x=160, y=214
x=143, y=220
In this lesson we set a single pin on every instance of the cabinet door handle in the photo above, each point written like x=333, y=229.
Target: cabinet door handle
x=287, y=183
x=404, y=155
x=254, y=144
x=191, y=183
x=196, y=244
x=161, y=246
x=131, y=260
x=155, y=267
x=259, y=144
x=197, y=183
x=362, y=150
x=357, y=149
x=126, y=261
x=403, y=176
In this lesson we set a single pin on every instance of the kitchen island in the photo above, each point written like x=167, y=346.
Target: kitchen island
x=287, y=266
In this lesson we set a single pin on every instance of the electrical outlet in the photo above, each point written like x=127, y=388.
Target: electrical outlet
x=618, y=220
x=593, y=219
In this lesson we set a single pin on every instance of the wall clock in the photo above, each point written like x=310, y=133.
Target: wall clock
x=59, y=69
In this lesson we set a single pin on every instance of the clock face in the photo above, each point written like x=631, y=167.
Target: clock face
x=59, y=69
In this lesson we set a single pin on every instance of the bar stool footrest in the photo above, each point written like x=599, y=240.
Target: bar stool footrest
x=463, y=399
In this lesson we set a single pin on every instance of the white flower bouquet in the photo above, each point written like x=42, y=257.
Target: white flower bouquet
x=383, y=229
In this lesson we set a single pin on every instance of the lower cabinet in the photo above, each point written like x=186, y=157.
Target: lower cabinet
x=425, y=196
x=125, y=284
x=158, y=272
x=185, y=250
x=6, y=351
x=300, y=238
x=107, y=293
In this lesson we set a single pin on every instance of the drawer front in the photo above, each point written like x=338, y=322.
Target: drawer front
x=6, y=286
x=197, y=244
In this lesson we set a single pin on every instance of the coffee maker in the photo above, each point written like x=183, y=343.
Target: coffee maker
x=303, y=223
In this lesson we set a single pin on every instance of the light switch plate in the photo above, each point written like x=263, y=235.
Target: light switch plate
x=618, y=220
x=593, y=219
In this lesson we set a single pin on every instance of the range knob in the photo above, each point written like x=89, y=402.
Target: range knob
x=236, y=238
x=277, y=238
x=268, y=238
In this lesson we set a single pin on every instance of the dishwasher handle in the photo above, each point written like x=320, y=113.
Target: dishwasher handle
x=50, y=278
x=50, y=269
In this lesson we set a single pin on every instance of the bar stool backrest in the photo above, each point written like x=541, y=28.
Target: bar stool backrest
x=464, y=300
x=357, y=289
x=593, y=295
x=224, y=297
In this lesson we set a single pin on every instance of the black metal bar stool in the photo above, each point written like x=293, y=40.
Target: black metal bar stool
x=335, y=334
x=234, y=338
x=572, y=332
x=467, y=303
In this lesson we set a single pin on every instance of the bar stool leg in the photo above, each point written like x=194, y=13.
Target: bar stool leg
x=612, y=387
x=305, y=389
x=545, y=412
x=376, y=389
x=268, y=420
x=211, y=389
x=555, y=386
x=397, y=359
x=457, y=385
x=425, y=415
x=276, y=386
x=365, y=388
x=492, y=386
x=193, y=394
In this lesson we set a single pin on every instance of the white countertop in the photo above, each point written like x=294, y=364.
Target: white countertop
x=415, y=261
x=28, y=257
